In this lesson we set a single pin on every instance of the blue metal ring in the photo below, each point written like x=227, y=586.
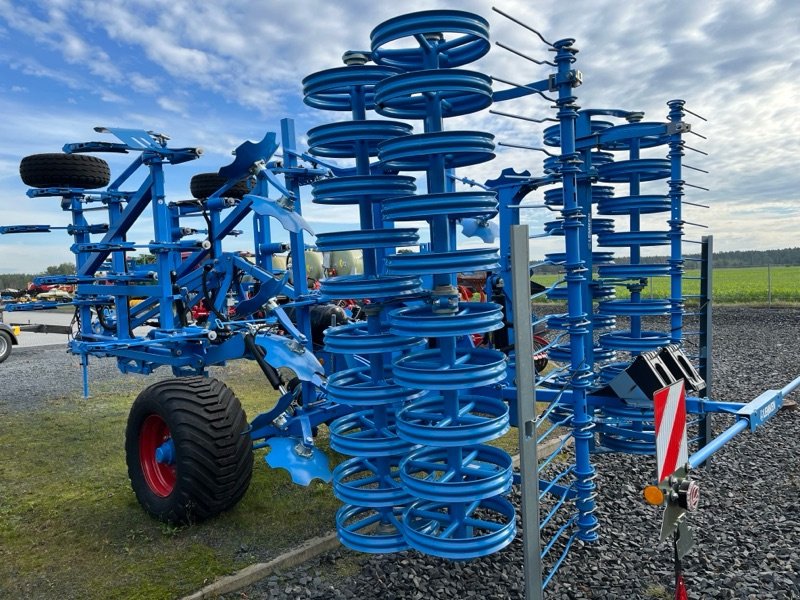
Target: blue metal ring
x=484, y=471
x=460, y=205
x=355, y=435
x=611, y=370
x=597, y=257
x=629, y=430
x=332, y=89
x=459, y=539
x=358, y=481
x=625, y=205
x=457, y=261
x=472, y=43
x=458, y=149
x=366, y=238
x=555, y=196
x=598, y=321
x=642, y=308
x=356, y=528
x=355, y=338
x=428, y=370
x=408, y=96
x=345, y=138
x=357, y=387
x=598, y=226
x=633, y=271
x=634, y=238
x=364, y=286
x=646, y=169
x=563, y=354
x=354, y=189
x=648, y=134
x=468, y=318
x=428, y=423
x=623, y=340
x=601, y=158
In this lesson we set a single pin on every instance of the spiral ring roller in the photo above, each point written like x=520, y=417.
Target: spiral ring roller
x=368, y=484
x=459, y=483
x=628, y=430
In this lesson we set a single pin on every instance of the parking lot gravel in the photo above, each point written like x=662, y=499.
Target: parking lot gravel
x=747, y=530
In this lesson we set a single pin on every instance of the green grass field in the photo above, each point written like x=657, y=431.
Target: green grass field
x=70, y=526
x=742, y=285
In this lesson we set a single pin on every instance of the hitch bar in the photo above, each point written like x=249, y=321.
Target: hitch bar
x=750, y=416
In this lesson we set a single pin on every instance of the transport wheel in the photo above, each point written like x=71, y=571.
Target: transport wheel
x=203, y=185
x=188, y=455
x=540, y=358
x=64, y=170
x=5, y=345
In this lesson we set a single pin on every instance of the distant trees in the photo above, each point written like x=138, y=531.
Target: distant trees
x=723, y=260
x=17, y=281
x=65, y=268
x=20, y=281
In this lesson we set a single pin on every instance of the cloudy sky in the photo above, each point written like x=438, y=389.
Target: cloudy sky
x=213, y=74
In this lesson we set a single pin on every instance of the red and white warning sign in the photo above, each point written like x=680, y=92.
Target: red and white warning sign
x=672, y=450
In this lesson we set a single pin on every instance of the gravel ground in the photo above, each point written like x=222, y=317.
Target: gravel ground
x=35, y=375
x=747, y=530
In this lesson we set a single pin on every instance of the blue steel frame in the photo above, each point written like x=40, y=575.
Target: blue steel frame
x=190, y=263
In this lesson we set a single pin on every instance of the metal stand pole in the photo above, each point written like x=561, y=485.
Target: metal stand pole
x=526, y=411
x=706, y=272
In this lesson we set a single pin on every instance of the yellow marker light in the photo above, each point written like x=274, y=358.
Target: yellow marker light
x=653, y=495
x=16, y=329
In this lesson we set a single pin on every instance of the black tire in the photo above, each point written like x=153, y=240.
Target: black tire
x=213, y=457
x=203, y=185
x=5, y=345
x=64, y=170
x=540, y=359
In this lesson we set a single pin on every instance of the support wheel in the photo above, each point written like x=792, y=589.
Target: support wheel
x=5, y=345
x=188, y=455
x=203, y=185
x=64, y=170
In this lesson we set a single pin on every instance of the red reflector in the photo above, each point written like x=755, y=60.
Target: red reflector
x=680, y=589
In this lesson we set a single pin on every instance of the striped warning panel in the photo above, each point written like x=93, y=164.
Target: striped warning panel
x=672, y=450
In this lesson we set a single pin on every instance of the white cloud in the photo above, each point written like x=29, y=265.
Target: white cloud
x=171, y=105
x=213, y=74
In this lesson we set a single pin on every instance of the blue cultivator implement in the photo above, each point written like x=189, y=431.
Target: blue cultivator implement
x=415, y=389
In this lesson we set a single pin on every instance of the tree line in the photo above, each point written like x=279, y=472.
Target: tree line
x=20, y=281
x=722, y=260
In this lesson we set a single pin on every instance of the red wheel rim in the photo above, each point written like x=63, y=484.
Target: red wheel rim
x=160, y=477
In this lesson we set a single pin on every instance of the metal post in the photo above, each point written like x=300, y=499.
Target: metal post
x=706, y=287
x=526, y=412
x=769, y=285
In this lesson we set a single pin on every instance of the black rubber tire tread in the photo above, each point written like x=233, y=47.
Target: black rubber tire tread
x=540, y=363
x=64, y=170
x=7, y=352
x=213, y=455
x=203, y=185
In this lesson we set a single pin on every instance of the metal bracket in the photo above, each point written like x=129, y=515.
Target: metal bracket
x=679, y=127
x=761, y=408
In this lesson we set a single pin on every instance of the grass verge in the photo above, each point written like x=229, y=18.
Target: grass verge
x=70, y=526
